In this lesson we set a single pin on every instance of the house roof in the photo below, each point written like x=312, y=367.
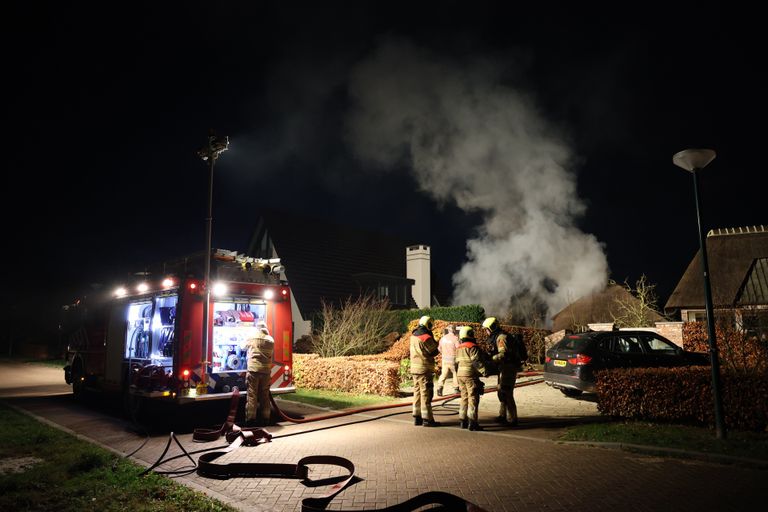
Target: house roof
x=324, y=260
x=599, y=307
x=730, y=257
x=755, y=289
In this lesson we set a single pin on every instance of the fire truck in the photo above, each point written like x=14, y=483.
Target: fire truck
x=147, y=341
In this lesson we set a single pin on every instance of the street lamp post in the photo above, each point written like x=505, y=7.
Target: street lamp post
x=209, y=153
x=693, y=160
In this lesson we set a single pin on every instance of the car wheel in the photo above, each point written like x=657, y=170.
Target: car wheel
x=571, y=392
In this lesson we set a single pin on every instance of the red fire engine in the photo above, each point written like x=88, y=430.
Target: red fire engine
x=148, y=341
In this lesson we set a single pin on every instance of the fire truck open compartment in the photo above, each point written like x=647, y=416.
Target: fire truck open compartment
x=148, y=339
x=234, y=323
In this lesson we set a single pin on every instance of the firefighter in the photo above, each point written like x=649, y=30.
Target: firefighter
x=447, y=347
x=470, y=369
x=509, y=359
x=260, y=350
x=423, y=351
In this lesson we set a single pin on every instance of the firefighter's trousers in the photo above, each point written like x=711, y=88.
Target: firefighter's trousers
x=258, y=396
x=448, y=368
x=506, y=393
x=470, y=398
x=423, y=391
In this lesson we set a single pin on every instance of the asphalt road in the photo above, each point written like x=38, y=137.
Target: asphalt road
x=31, y=380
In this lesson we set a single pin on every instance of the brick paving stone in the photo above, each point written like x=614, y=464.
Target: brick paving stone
x=500, y=469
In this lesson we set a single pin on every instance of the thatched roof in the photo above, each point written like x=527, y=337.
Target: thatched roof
x=730, y=255
x=599, y=307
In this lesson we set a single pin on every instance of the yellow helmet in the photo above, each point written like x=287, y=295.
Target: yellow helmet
x=466, y=333
x=491, y=323
x=427, y=322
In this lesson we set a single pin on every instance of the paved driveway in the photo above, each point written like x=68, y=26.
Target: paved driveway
x=500, y=469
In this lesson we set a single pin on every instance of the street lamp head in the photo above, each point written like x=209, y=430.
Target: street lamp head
x=693, y=159
x=216, y=146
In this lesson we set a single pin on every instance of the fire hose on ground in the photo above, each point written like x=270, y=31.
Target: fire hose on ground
x=348, y=412
x=237, y=436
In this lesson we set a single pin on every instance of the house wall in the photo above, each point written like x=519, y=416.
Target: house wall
x=673, y=331
x=301, y=327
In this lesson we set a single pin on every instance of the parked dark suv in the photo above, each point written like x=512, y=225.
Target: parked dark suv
x=571, y=364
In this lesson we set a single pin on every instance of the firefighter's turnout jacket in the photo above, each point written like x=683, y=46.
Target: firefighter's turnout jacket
x=423, y=351
x=506, y=358
x=470, y=360
x=260, y=351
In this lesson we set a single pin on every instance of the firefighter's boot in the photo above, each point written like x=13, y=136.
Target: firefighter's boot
x=417, y=421
x=439, y=391
x=431, y=423
x=464, y=423
x=475, y=426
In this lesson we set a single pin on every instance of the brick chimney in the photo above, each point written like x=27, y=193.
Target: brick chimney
x=417, y=261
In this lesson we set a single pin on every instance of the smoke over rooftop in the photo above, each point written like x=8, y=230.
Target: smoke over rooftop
x=472, y=140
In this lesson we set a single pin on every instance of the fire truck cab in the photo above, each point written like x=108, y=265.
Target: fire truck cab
x=148, y=341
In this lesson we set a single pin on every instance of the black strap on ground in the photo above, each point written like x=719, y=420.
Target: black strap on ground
x=202, y=435
x=208, y=467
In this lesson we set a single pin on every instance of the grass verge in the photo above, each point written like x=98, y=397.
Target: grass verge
x=334, y=399
x=65, y=474
x=752, y=445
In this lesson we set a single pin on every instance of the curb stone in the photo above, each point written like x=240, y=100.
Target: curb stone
x=675, y=452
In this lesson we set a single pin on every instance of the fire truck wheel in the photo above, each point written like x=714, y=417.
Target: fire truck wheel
x=132, y=405
x=78, y=379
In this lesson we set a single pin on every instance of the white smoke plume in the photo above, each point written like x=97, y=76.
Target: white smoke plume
x=474, y=141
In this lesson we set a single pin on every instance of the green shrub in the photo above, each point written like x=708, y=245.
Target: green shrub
x=472, y=313
x=404, y=372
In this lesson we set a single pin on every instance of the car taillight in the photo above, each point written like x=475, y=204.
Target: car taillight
x=580, y=359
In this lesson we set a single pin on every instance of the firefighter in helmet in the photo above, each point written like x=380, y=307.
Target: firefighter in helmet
x=423, y=349
x=260, y=350
x=470, y=369
x=507, y=357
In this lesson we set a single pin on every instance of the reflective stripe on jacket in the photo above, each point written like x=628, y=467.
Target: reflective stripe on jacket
x=470, y=360
x=423, y=351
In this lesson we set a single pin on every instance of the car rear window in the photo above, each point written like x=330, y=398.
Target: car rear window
x=573, y=343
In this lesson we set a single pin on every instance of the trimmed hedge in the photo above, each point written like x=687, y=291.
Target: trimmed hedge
x=736, y=351
x=379, y=373
x=402, y=347
x=353, y=374
x=472, y=313
x=683, y=395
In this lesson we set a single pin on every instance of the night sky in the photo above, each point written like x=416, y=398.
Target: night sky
x=410, y=118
